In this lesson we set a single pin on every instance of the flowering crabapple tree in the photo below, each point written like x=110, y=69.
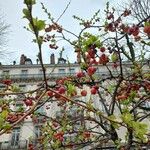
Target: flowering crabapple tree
x=110, y=109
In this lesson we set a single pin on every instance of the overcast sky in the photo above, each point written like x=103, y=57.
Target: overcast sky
x=20, y=40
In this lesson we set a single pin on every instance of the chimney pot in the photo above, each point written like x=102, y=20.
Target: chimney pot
x=52, y=59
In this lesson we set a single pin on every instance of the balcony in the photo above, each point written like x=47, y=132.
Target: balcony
x=18, y=145
x=36, y=76
x=52, y=75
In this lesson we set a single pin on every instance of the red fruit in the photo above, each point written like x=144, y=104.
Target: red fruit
x=111, y=16
x=126, y=13
x=91, y=53
x=102, y=49
x=28, y=102
x=93, y=91
x=110, y=27
x=7, y=82
x=57, y=95
x=130, y=30
x=122, y=97
x=125, y=29
x=55, y=124
x=137, y=38
x=50, y=94
x=80, y=74
x=30, y=145
x=48, y=29
x=134, y=30
x=12, y=118
x=103, y=59
x=59, y=136
x=116, y=24
x=147, y=29
x=96, y=87
x=83, y=92
x=86, y=135
x=47, y=107
x=60, y=81
x=61, y=90
x=135, y=33
x=74, y=93
x=93, y=61
x=115, y=65
x=88, y=56
x=91, y=70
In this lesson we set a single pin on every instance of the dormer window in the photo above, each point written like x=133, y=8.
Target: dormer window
x=61, y=61
x=24, y=73
x=28, y=61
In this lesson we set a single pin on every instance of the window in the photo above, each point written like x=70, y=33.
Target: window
x=37, y=132
x=5, y=73
x=19, y=106
x=71, y=71
x=2, y=86
x=77, y=125
x=146, y=104
x=22, y=87
x=70, y=137
x=61, y=72
x=15, y=136
x=40, y=110
x=24, y=73
x=20, y=98
x=40, y=73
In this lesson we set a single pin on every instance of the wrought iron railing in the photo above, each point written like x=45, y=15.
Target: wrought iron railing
x=28, y=76
x=19, y=145
x=55, y=75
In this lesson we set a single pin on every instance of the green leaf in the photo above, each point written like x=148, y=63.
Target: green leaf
x=126, y=117
x=40, y=24
x=34, y=24
x=90, y=39
x=4, y=114
x=29, y=2
x=6, y=126
x=114, y=57
x=30, y=26
x=111, y=88
x=147, y=23
x=126, y=101
x=1, y=122
x=113, y=118
x=83, y=66
x=26, y=13
x=140, y=130
x=70, y=88
x=40, y=40
x=33, y=2
x=89, y=105
x=15, y=88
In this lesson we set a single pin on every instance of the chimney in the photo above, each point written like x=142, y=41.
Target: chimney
x=52, y=59
x=14, y=62
x=79, y=57
x=22, y=59
x=37, y=61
